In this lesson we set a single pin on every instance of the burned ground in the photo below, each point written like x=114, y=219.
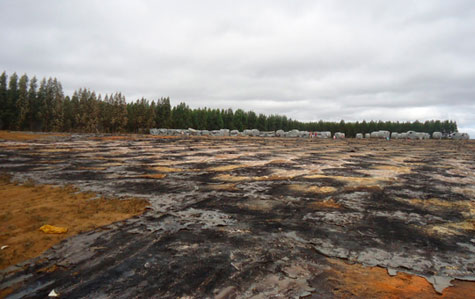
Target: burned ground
x=257, y=217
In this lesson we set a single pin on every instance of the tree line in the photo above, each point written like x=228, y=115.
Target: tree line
x=29, y=104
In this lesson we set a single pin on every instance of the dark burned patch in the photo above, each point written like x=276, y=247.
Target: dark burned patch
x=321, y=181
x=348, y=172
x=311, y=160
x=414, y=161
x=215, y=202
x=255, y=171
x=19, y=168
x=401, y=206
x=122, y=156
x=203, y=177
x=87, y=163
x=67, y=157
x=356, y=165
x=219, y=188
x=381, y=201
x=416, y=178
x=226, y=153
x=143, y=160
x=140, y=170
x=315, y=156
x=426, y=168
x=12, y=154
x=203, y=264
x=206, y=165
x=5, y=161
x=175, y=158
x=385, y=201
x=175, y=152
x=42, y=159
x=200, y=154
x=285, y=189
x=83, y=165
x=150, y=187
x=235, y=206
x=102, y=149
x=138, y=148
x=359, y=157
x=424, y=192
x=288, y=166
x=395, y=232
x=422, y=179
x=281, y=218
x=287, y=223
x=80, y=175
x=24, y=157
x=150, y=265
x=257, y=157
x=437, y=170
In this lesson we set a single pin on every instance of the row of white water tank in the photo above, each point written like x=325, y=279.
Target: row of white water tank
x=253, y=132
x=413, y=135
x=304, y=134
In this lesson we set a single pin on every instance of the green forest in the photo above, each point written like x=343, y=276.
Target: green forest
x=32, y=105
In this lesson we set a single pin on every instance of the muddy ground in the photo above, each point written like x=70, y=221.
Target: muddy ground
x=258, y=217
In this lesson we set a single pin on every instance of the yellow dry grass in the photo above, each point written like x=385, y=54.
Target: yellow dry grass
x=467, y=209
x=465, y=206
x=358, y=281
x=222, y=187
x=394, y=168
x=452, y=228
x=280, y=161
x=26, y=208
x=273, y=177
x=13, y=135
x=14, y=147
x=227, y=167
x=311, y=189
x=328, y=203
x=467, y=191
x=91, y=168
x=117, y=137
x=166, y=169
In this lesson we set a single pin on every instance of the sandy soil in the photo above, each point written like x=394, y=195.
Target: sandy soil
x=25, y=208
x=354, y=280
x=13, y=135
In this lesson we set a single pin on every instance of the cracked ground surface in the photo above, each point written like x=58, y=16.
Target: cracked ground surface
x=258, y=217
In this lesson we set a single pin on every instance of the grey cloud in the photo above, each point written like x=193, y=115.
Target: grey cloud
x=310, y=60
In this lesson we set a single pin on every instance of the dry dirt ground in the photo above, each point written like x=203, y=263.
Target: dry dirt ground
x=26, y=208
x=257, y=217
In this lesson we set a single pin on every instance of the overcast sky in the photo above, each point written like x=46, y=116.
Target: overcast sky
x=310, y=60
